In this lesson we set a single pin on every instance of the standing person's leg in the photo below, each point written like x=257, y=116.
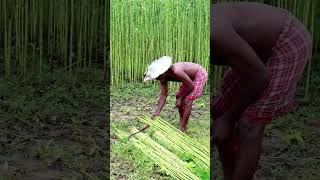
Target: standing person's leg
x=227, y=149
x=227, y=155
x=181, y=113
x=187, y=107
x=199, y=83
x=247, y=158
x=240, y=155
x=181, y=108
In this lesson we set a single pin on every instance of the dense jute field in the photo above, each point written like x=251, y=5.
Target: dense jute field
x=141, y=31
x=35, y=34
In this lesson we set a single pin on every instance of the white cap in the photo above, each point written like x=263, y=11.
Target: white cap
x=157, y=67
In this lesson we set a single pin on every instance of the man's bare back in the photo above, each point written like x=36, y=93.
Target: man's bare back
x=189, y=68
x=177, y=70
x=258, y=24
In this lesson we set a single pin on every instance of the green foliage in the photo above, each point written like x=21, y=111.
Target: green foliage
x=294, y=137
x=202, y=173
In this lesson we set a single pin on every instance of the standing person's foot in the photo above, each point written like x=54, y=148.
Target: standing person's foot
x=183, y=129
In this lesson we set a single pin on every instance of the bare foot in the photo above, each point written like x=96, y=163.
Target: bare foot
x=183, y=129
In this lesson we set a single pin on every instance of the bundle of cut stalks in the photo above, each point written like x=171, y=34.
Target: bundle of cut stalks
x=165, y=147
x=171, y=163
x=180, y=141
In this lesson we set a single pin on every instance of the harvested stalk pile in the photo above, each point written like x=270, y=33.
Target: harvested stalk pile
x=178, y=154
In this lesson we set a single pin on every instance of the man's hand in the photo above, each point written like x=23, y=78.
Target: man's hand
x=178, y=102
x=223, y=129
x=155, y=114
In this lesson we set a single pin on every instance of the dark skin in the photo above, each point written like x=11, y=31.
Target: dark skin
x=242, y=37
x=179, y=72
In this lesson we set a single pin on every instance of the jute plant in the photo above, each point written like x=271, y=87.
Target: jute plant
x=35, y=34
x=142, y=31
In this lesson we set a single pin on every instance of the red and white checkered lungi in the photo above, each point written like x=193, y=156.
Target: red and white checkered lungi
x=199, y=82
x=289, y=56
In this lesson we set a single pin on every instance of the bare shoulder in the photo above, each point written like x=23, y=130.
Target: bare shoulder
x=177, y=67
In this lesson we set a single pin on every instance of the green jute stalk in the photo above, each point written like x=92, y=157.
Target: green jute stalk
x=161, y=156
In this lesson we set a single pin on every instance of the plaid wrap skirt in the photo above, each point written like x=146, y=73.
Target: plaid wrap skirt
x=199, y=83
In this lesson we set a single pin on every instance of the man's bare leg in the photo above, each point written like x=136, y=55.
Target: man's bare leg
x=187, y=107
x=225, y=147
x=181, y=111
x=227, y=159
x=227, y=154
x=246, y=162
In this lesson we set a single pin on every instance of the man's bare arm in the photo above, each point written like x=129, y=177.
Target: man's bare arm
x=163, y=96
x=243, y=60
x=184, y=78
